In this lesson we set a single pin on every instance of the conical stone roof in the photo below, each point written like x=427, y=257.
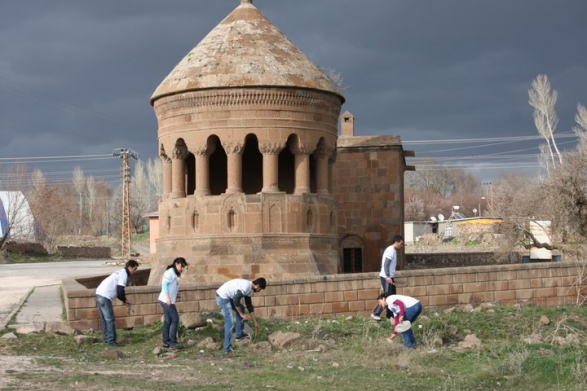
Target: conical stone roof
x=245, y=50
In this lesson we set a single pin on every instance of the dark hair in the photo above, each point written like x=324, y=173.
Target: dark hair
x=397, y=238
x=131, y=263
x=382, y=296
x=261, y=282
x=178, y=260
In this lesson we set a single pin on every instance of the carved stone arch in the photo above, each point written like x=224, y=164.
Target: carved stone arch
x=351, y=250
x=286, y=165
x=299, y=146
x=275, y=224
x=232, y=213
x=252, y=166
x=193, y=216
x=179, y=150
x=310, y=220
x=218, y=166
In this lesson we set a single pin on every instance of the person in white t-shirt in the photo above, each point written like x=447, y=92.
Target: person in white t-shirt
x=228, y=298
x=111, y=287
x=402, y=308
x=387, y=273
x=167, y=299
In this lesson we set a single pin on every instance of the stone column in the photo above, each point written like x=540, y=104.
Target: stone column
x=166, y=176
x=302, y=168
x=203, y=169
x=178, y=172
x=234, y=155
x=270, y=153
x=322, y=154
x=331, y=161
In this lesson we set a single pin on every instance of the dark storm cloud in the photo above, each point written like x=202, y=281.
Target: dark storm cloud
x=76, y=76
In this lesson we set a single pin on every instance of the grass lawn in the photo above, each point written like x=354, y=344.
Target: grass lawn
x=521, y=348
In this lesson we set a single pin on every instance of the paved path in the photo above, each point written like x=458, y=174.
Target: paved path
x=32, y=290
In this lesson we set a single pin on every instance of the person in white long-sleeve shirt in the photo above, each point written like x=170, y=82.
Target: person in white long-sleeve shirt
x=167, y=299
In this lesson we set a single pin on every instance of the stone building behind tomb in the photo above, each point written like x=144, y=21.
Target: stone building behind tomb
x=255, y=181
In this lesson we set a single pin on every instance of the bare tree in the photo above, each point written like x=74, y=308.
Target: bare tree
x=543, y=99
x=155, y=174
x=79, y=184
x=432, y=176
x=54, y=207
x=581, y=128
x=140, y=196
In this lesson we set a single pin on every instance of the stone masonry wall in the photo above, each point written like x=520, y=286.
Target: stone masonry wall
x=368, y=185
x=547, y=284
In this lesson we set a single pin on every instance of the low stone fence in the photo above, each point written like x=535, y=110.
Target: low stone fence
x=457, y=259
x=85, y=252
x=549, y=284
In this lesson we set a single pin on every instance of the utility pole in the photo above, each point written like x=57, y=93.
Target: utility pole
x=125, y=154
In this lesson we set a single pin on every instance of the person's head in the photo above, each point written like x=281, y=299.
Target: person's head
x=131, y=266
x=397, y=242
x=180, y=264
x=259, y=284
x=381, y=299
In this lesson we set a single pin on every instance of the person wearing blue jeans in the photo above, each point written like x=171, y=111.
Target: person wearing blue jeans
x=167, y=299
x=402, y=308
x=228, y=298
x=111, y=287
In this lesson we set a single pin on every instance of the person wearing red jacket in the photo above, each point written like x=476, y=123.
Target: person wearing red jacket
x=402, y=308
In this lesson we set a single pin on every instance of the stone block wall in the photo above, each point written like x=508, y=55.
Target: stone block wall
x=547, y=284
x=368, y=185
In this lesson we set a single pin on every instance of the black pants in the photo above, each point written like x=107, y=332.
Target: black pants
x=388, y=289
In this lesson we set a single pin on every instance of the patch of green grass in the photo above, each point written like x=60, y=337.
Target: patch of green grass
x=342, y=353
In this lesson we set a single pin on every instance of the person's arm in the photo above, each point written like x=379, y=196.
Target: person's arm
x=236, y=300
x=165, y=288
x=121, y=294
x=392, y=266
x=395, y=323
x=402, y=309
x=386, y=266
x=251, y=309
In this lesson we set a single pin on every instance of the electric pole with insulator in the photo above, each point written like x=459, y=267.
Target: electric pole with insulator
x=125, y=154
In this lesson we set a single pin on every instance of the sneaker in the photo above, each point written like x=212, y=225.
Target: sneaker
x=243, y=337
x=165, y=346
x=376, y=317
x=175, y=346
x=114, y=344
x=229, y=351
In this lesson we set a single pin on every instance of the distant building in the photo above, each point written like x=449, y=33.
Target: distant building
x=16, y=214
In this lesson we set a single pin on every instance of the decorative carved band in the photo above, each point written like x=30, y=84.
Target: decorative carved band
x=233, y=147
x=250, y=97
x=271, y=148
x=324, y=150
x=298, y=148
x=179, y=152
x=203, y=150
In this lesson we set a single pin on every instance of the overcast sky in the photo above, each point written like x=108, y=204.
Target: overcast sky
x=76, y=76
